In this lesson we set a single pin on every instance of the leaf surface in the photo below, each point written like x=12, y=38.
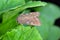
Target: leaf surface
x=22, y=33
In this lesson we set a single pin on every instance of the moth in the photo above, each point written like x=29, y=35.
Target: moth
x=29, y=18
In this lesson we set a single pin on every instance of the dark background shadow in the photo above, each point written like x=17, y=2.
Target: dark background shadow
x=57, y=2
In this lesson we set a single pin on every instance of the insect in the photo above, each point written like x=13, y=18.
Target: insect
x=29, y=19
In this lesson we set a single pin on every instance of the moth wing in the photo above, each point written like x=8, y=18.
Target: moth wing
x=35, y=14
x=35, y=21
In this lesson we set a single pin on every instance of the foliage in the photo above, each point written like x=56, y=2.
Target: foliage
x=11, y=30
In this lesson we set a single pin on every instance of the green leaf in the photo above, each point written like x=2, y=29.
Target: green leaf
x=22, y=33
x=54, y=33
x=10, y=4
x=10, y=17
x=35, y=4
x=7, y=26
x=48, y=15
x=9, y=21
x=28, y=0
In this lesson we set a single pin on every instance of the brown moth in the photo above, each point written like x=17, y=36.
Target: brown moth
x=29, y=19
